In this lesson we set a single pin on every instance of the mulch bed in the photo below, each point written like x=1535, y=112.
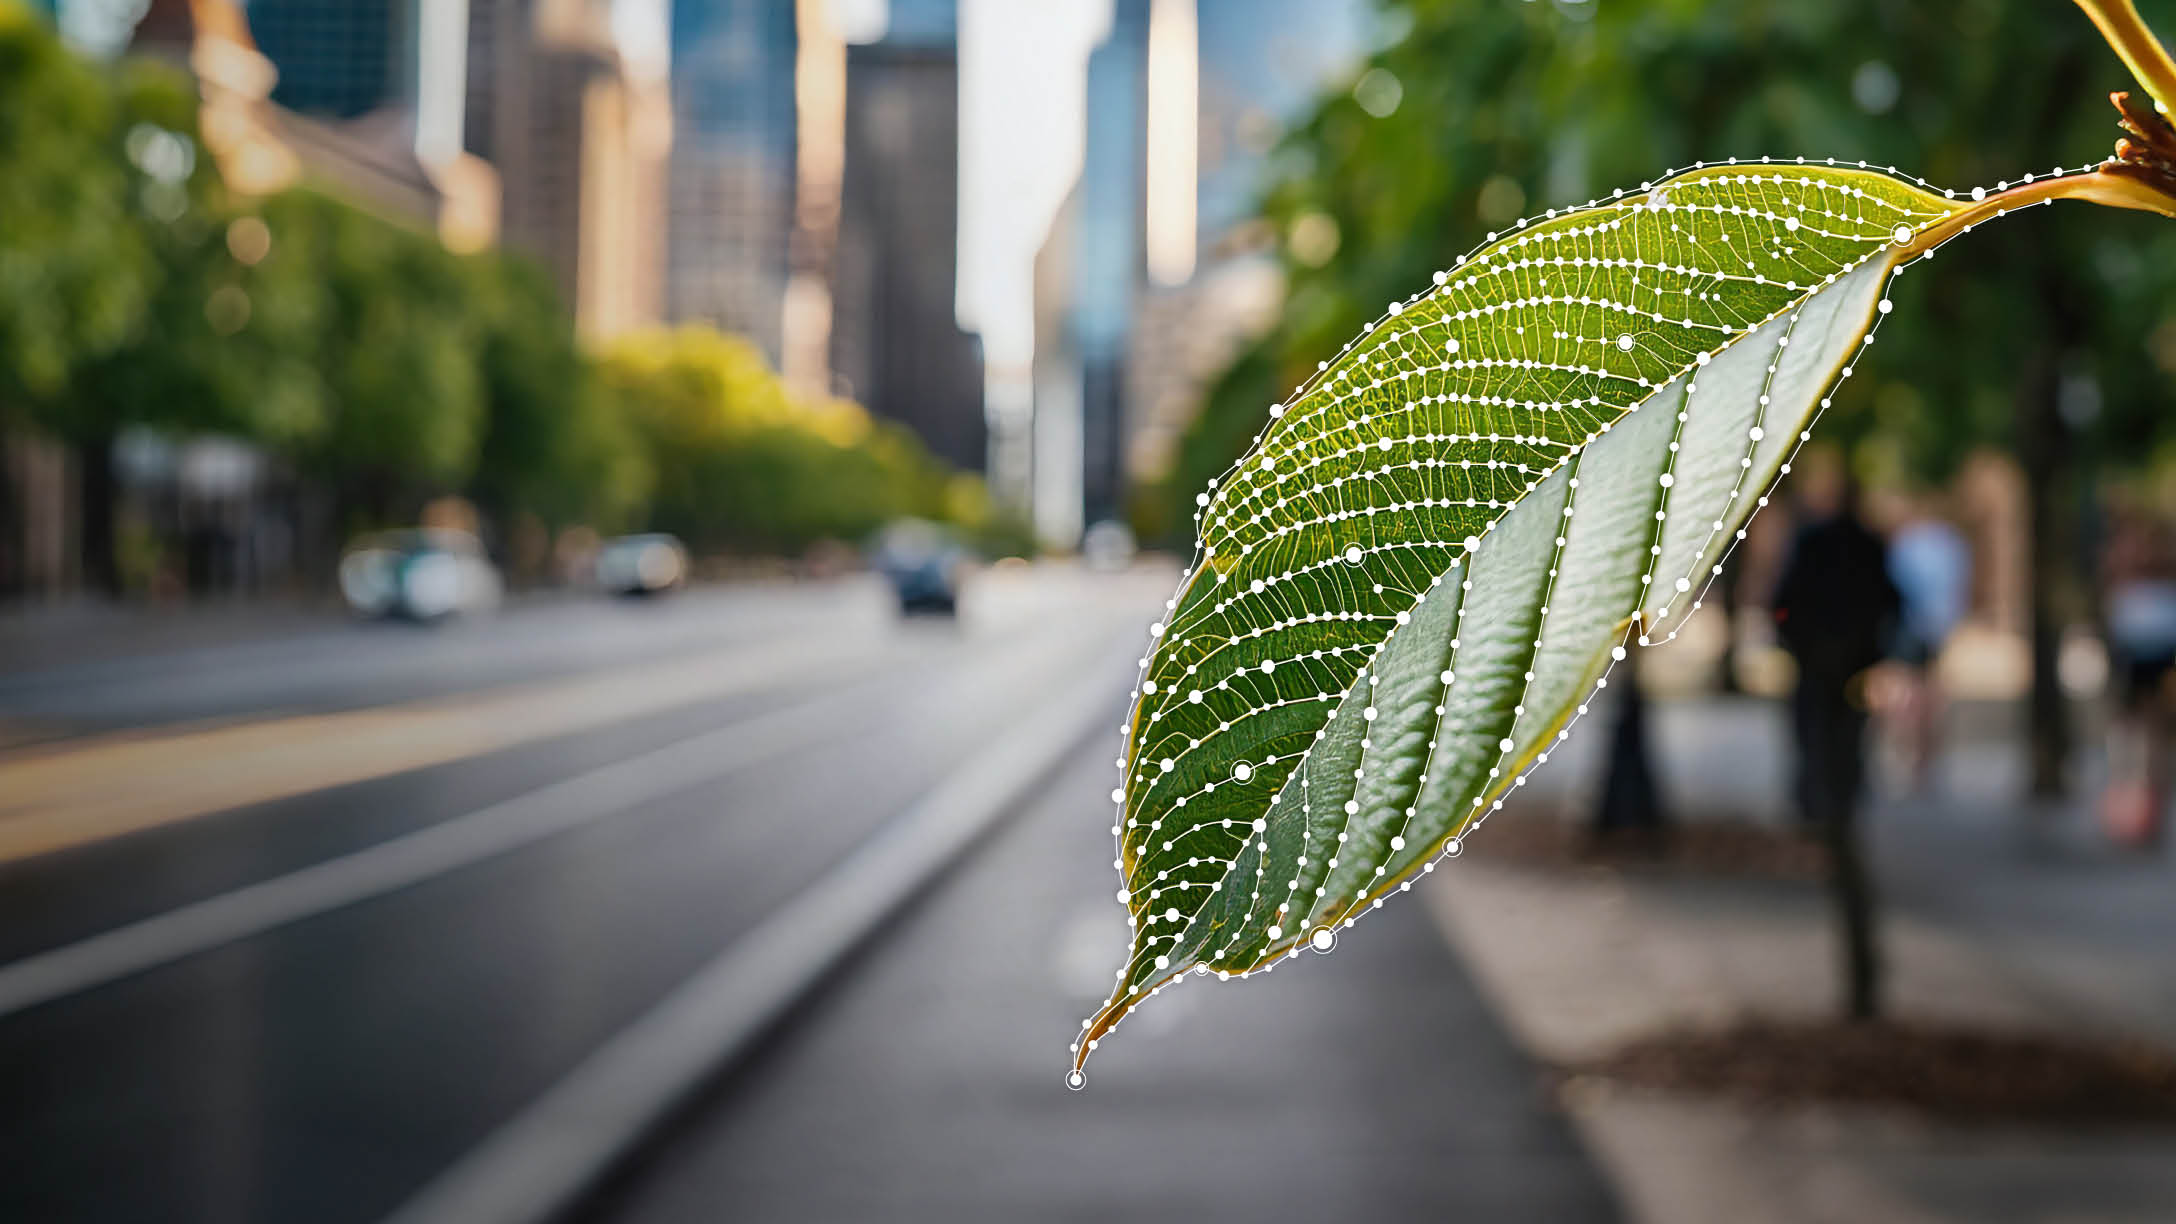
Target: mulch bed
x=1541, y=839
x=1949, y=1073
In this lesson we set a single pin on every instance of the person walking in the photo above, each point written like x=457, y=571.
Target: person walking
x=1835, y=607
x=2138, y=572
x=1931, y=565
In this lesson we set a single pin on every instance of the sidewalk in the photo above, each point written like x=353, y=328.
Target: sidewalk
x=1990, y=918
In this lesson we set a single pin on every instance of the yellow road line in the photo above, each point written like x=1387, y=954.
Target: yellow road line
x=70, y=794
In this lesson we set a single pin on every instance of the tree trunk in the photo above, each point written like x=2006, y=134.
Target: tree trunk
x=96, y=489
x=13, y=581
x=2044, y=448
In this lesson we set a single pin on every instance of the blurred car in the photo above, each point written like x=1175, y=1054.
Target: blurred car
x=649, y=564
x=924, y=562
x=422, y=573
x=1107, y=546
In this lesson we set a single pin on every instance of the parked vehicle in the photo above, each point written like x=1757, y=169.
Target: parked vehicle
x=649, y=564
x=422, y=573
x=1107, y=546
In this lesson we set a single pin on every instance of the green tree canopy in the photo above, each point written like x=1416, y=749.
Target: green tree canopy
x=1510, y=109
x=553, y=444
x=741, y=465
x=75, y=270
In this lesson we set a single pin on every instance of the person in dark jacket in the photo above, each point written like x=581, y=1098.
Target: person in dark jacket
x=1835, y=609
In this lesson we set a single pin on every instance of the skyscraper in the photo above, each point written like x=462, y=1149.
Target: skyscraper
x=1185, y=99
x=896, y=340
x=569, y=100
x=367, y=93
x=1109, y=267
x=731, y=187
x=338, y=59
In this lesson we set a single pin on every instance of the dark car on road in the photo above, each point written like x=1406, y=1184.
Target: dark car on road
x=925, y=564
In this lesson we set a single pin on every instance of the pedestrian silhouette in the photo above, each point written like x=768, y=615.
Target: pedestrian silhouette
x=1931, y=564
x=1835, y=608
x=1629, y=813
x=2138, y=571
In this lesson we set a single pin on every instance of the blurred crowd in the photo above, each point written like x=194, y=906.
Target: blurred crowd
x=1883, y=602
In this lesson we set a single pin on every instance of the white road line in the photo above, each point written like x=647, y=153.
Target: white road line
x=542, y=1161
x=414, y=857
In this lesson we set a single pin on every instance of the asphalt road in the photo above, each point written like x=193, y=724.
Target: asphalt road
x=325, y=1063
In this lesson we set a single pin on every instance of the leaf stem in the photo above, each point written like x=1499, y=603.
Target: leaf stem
x=2142, y=53
x=2109, y=185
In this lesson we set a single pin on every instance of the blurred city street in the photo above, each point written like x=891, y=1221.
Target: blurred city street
x=571, y=573
x=1369, y=1084
x=326, y=1066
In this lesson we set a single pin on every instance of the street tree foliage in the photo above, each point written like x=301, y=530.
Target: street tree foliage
x=377, y=368
x=74, y=271
x=1432, y=548
x=738, y=464
x=553, y=444
x=1508, y=110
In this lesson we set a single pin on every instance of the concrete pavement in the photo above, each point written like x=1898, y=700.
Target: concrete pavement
x=1996, y=915
x=1369, y=1084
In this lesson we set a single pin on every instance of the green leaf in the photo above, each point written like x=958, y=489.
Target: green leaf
x=1412, y=581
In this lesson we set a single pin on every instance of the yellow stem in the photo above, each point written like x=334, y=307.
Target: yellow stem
x=2114, y=189
x=2142, y=53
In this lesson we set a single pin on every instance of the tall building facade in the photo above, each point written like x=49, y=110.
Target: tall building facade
x=731, y=185
x=568, y=98
x=1146, y=352
x=896, y=342
x=337, y=58
x=1110, y=267
x=367, y=94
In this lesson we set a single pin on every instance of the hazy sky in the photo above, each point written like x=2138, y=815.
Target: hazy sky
x=1022, y=88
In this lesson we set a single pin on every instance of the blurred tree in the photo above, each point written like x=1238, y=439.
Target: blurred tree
x=375, y=331
x=553, y=445
x=1509, y=109
x=68, y=288
x=741, y=466
x=134, y=291
x=76, y=267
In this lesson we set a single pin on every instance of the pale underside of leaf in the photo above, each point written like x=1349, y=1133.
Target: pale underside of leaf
x=1411, y=583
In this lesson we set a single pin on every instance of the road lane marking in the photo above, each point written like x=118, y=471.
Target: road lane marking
x=72, y=794
x=414, y=857
x=540, y=1163
x=467, y=839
